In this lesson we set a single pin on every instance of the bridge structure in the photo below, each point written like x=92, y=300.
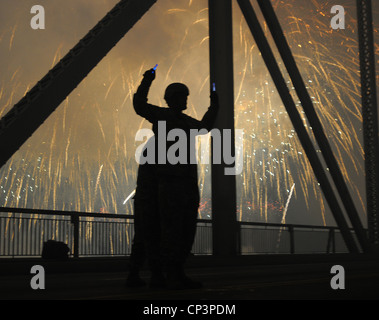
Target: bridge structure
x=39, y=103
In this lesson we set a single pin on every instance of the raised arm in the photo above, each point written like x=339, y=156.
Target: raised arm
x=140, y=104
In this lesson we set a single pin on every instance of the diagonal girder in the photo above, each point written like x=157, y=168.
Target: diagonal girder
x=326, y=150
x=306, y=142
x=38, y=104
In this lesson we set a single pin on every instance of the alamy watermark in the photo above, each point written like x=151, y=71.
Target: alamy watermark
x=337, y=281
x=338, y=21
x=37, y=281
x=38, y=20
x=177, y=153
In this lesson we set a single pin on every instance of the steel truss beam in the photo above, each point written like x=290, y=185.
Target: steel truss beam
x=370, y=117
x=323, y=143
x=225, y=229
x=297, y=122
x=41, y=101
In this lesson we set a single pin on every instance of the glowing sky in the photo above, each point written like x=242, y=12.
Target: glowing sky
x=82, y=157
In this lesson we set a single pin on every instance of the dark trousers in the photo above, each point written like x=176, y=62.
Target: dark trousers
x=138, y=254
x=146, y=241
x=178, y=203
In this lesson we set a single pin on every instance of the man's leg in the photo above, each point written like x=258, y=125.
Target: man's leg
x=138, y=254
x=190, y=218
x=152, y=240
x=178, y=227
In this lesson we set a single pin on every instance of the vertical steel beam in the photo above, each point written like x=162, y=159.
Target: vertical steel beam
x=224, y=230
x=41, y=101
x=297, y=122
x=370, y=117
x=298, y=83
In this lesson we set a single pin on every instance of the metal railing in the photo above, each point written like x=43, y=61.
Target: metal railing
x=258, y=238
x=23, y=232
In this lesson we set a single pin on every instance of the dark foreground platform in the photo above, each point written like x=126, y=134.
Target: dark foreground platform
x=279, y=277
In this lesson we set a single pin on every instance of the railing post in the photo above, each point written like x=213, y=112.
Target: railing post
x=292, y=239
x=238, y=239
x=331, y=241
x=75, y=222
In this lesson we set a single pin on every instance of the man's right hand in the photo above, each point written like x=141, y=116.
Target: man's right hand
x=149, y=74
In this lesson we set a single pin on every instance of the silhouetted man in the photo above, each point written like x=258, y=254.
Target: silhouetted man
x=178, y=193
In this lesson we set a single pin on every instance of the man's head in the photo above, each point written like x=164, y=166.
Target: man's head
x=176, y=95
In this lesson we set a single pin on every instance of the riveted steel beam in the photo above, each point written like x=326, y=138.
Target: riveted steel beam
x=322, y=140
x=225, y=229
x=41, y=101
x=297, y=122
x=370, y=117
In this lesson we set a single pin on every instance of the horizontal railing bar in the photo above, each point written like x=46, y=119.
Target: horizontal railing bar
x=283, y=225
x=87, y=237
x=66, y=213
x=127, y=216
x=39, y=219
x=76, y=213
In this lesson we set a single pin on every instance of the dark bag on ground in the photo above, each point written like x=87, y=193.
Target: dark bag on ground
x=55, y=250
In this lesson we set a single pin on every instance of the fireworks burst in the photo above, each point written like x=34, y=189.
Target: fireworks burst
x=82, y=157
